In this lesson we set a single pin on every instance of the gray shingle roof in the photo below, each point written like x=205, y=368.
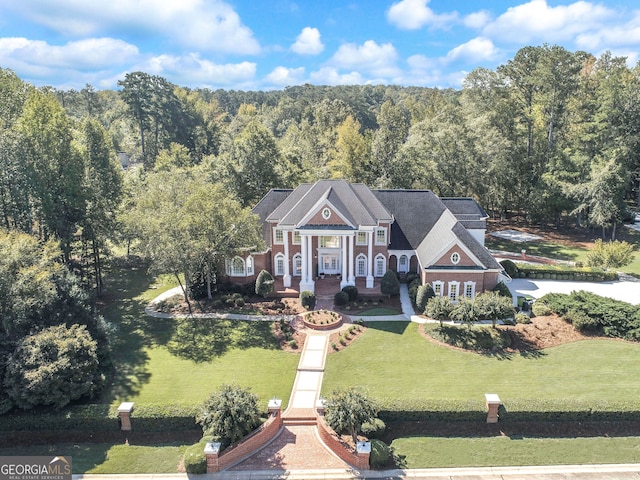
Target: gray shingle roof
x=478, y=250
x=467, y=211
x=268, y=204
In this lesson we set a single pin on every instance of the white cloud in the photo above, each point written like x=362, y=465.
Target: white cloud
x=475, y=50
x=93, y=53
x=613, y=36
x=308, y=42
x=379, y=60
x=282, y=76
x=415, y=14
x=477, y=19
x=536, y=21
x=209, y=26
x=331, y=76
x=192, y=70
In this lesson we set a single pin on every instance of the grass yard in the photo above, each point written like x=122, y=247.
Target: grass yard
x=171, y=361
x=108, y=458
x=434, y=452
x=396, y=365
x=541, y=248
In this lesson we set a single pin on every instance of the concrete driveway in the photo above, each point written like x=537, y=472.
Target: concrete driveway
x=625, y=291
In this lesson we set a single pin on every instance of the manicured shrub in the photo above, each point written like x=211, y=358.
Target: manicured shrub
x=352, y=292
x=423, y=294
x=522, y=318
x=390, y=284
x=380, y=453
x=347, y=410
x=412, y=277
x=308, y=299
x=341, y=298
x=293, y=344
x=510, y=267
x=540, y=309
x=581, y=321
x=610, y=254
x=239, y=302
x=264, y=284
x=195, y=461
x=373, y=429
x=502, y=290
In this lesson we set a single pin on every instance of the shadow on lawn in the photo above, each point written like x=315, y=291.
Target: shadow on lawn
x=202, y=339
x=390, y=327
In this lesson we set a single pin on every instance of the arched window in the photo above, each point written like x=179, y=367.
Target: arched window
x=297, y=265
x=361, y=265
x=279, y=264
x=380, y=266
x=236, y=267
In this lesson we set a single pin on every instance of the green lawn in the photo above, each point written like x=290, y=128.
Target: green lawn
x=169, y=361
x=433, y=452
x=395, y=364
x=108, y=458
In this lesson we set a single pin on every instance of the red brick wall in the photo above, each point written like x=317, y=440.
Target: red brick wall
x=329, y=437
x=254, y=441
x=465, y=260
x=484, y=280
x=334, y=219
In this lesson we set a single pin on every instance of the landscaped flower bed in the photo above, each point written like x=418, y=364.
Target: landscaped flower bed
x=321, y=319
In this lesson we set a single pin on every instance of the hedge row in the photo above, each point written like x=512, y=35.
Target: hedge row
x=512, y=410
x=561, y=272
x=101, y=418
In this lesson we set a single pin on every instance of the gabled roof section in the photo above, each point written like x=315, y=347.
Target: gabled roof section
x=478, y=250
x=415, y=213
x=467, y=211
x=355, y=203
x=266, y=206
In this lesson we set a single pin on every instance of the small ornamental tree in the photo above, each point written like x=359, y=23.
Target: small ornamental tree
x=610, y=254
x=347, y=410
x=493, y=306
x=308, y=299
x=439, y=308
x=229, y=414
x=53, y=367
x=390, y=284
x=264, y=284
x=423, y=294
x=465, y=312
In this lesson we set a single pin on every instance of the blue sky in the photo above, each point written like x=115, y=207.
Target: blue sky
x=262, y=44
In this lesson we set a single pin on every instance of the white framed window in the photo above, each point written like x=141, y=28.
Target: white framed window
x=380, y=265
x=249, y=264
x=453, y=291
x=235, y=267
x=438, y=287
x=279, y=264
x=381, y=236
x=326, y=213
x=470, y=289
x=330, y=242
x=297, y=265
x=361, y=238
x=278, y=236
x=296, y=237
x=361, y=266
x=455, y=258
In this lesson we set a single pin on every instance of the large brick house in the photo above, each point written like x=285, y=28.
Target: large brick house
x=350, y=231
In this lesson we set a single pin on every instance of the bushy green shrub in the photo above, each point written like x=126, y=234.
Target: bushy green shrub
x=195, y=461
x=510, y=267
x=502, y=290
x=390, y=285
x=341, y=298
x=423, y=294
x=614, y=254
x=380, y=453
x=412, y=277
x=581, y=321
x=265, y=283
x=352, y=292
x=540, y=309
x=308, y=299
x=522, y=318
x=581, y=274
x=373, y=429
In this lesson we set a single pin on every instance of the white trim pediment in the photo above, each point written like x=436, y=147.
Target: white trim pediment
x=321, y=204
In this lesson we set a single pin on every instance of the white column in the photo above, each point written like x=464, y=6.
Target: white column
x=286, y=279
x=370, y=260
x=303, y=253
x=307, y=282
x=352, y=278
x=343, y=242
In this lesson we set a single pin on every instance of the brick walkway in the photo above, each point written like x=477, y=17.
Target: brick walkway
x=296, y=448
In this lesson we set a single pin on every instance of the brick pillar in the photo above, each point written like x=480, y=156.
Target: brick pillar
x=124, y=412
x=211, y=451
x=363, y=450
x=275, y=407
x=493, y=404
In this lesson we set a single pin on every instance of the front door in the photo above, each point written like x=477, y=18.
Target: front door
x=330, y=263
